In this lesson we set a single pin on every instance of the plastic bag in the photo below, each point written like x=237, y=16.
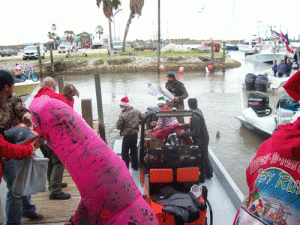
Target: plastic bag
x=31, y=177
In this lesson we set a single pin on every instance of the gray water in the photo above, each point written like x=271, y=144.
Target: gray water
x=219, y=96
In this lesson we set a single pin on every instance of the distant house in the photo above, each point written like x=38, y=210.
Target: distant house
x=76, y=41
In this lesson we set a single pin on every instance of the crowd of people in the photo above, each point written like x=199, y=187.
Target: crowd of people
x=13, y=112
x=277, y=158
x=129, y=120
x=284, y=68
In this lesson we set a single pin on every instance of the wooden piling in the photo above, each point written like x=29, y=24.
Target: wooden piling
x=60, y=84
x=212, y=53
x=87, y=112
x=40, y=60
x=51, y=58
x=224, y=51
x=99, y=106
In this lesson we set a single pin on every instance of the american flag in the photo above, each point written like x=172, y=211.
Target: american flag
x=285, y=39
x=275, y=35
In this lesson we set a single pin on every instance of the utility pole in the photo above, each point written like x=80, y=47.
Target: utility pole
x=158, y=39
x=115, y=23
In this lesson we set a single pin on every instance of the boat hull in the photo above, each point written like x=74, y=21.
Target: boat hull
x=255, y=129
x=24, y=89
x=265, y=57
x=223, y=191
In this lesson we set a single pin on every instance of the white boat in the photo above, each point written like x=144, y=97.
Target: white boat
x=248, y=45
x=254, y=119
x=224, y=196
x=274, y=83
x=25, y=88
x=268, y=50
x=265, y=126
x=267, y=55
x=262, y=48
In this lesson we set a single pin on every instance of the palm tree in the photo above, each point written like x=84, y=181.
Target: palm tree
x=108, y=7
x=70, y=35
x=99, y=30
x=53, y=27
x=52, y=35
x=136, y=7
x=85, y=38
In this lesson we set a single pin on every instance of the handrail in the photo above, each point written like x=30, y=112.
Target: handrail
x=173, y=113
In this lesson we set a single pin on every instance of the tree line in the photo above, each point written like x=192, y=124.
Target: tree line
x=110, y=9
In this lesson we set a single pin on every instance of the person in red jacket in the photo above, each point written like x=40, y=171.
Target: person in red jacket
x=48, y=88
x=11, y=151
x=55, y=167
x=273, y=176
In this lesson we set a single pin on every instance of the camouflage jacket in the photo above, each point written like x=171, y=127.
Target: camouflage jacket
x=12, y=112
x=128, y=122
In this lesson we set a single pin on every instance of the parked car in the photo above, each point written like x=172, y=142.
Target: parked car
x=30, y=52
x=86, y=46
x=139, y=48
x=144, y=47
x=8, y=52
x=65, y=47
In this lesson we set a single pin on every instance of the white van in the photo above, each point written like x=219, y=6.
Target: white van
x=117, y=47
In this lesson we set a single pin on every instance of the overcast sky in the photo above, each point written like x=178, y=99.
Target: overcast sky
x=26, y=21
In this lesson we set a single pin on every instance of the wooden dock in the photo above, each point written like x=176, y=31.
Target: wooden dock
x=56, y=211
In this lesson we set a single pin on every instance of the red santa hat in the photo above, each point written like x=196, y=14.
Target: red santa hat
x=124, y=101
x=292, y=86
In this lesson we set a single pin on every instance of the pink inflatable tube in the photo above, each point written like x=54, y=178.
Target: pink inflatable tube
x=108, y=192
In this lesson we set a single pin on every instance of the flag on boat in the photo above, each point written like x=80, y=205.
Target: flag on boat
x=275, y=35
x=285, y=39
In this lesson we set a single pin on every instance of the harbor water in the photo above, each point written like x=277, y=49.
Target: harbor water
x=219, y=96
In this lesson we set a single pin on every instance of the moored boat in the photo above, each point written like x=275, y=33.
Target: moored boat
x=224, y=197
x=25, y=88
x=266, y=46
x=258, y=117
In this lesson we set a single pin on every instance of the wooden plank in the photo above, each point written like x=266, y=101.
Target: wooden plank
x=56, y=211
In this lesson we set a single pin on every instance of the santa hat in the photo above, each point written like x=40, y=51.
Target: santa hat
x=161, y=101
x=292, y=86
x=124, y=102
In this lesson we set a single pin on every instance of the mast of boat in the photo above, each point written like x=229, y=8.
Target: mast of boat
x=231, y=21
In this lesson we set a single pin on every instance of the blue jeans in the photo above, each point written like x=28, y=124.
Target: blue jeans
x=15, y=206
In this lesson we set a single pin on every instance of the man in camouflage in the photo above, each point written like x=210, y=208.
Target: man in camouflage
x=128, y=124
x=12, y=113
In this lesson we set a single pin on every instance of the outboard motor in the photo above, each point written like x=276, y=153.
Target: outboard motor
x=250, y=81
x=287, y=102
x=261, y=82
x=259, y=102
